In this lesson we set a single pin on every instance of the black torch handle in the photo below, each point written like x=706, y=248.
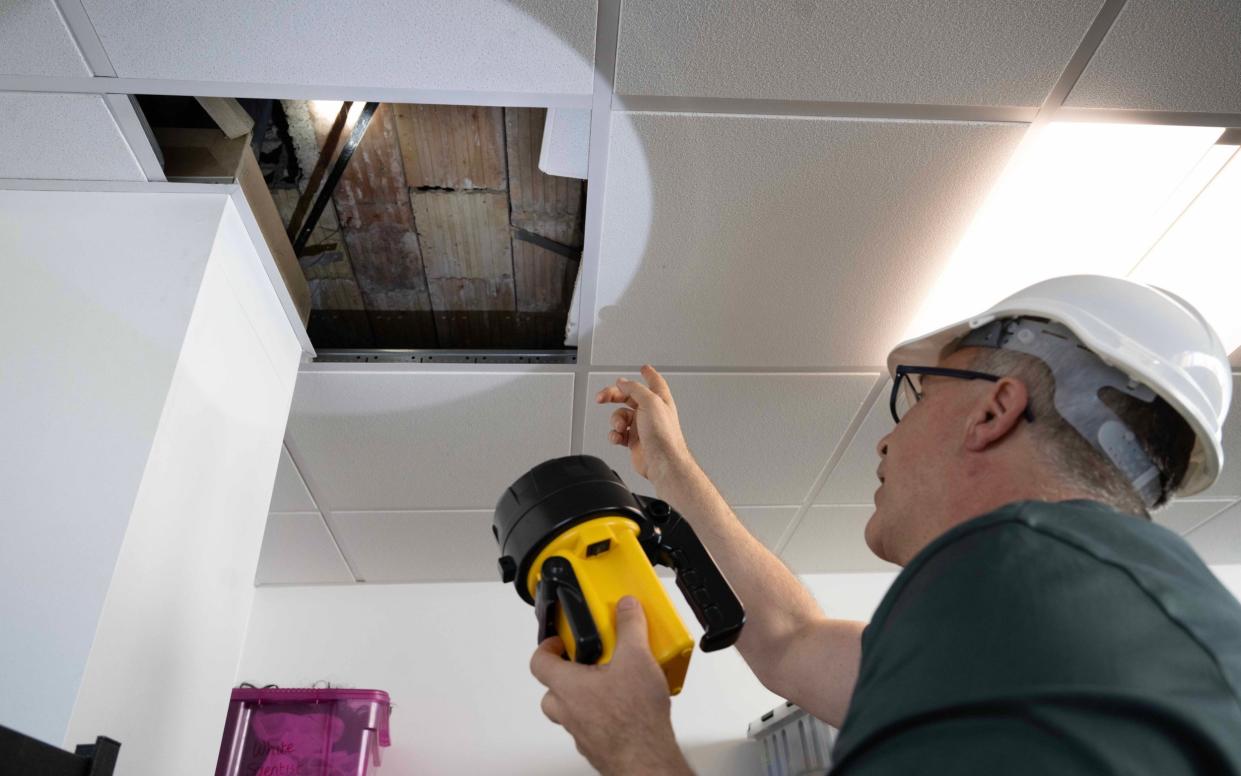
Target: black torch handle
x=710, y=596
x=559, y=588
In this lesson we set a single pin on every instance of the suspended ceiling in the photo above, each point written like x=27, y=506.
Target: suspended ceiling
x=773, y=190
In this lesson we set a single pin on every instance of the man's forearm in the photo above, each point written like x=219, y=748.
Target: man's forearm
x=777, y=605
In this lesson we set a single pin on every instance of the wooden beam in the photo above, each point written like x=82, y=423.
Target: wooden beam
x=452, y=146
x=228, y=115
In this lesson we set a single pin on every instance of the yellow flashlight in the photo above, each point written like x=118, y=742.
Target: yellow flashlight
x=574, y=540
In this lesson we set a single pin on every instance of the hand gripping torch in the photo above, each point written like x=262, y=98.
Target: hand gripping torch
x=574, y=540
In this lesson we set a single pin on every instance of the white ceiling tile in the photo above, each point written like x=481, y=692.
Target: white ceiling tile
x=1228, y=486
x=290, y=493
x=831, y=539
x=1160, y=55
x=297, y=549
x=445, y=546
x=977, y=52
x=1183, y=515
x=853, y=479
x=1219, y=539
x=62, y=137
x=767, y=523
x=786, y=241
x=762, y=438
x=390, y=440
x=457, y=45
x=34, y=40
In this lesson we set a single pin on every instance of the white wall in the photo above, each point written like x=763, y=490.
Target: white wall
x=174, y=621
x=454, y=657
x=95, y=297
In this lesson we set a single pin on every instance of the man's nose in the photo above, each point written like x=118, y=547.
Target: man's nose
x=882, y=447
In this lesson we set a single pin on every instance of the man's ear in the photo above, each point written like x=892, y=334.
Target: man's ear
x=995, y=414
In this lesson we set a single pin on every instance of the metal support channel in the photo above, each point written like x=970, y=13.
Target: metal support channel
x=432, y=356
x=329, y=186
x=568, y=251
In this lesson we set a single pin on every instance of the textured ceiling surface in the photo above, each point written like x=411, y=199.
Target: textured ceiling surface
x=63, y=137
x=978, y=52
x=35, y=41
x=451, y=45
x=1160, y=55
x=765, y=261
x=825, y=232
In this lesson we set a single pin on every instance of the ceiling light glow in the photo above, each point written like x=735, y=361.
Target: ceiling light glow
x=1076, y=198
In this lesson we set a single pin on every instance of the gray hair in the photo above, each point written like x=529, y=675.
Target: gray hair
x=1163, y=434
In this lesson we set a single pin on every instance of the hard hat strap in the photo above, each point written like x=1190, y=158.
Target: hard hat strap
x=1079, y=375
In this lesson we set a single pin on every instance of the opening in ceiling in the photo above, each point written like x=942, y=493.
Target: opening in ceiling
x=418, y=228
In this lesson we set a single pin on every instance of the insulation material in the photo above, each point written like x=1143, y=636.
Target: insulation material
x=452, y=146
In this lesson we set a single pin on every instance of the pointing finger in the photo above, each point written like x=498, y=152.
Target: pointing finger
x=639, y=393
x=657, y=383
x=613, y=394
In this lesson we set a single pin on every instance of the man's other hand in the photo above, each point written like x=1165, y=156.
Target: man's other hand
x=619, y=714
x=648, y=424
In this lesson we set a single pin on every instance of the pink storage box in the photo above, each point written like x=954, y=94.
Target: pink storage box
x=296, y=732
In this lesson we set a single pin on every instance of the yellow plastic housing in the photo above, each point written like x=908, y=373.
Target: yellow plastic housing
x=607, y=575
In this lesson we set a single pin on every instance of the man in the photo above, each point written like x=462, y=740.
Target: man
x=1042, y=624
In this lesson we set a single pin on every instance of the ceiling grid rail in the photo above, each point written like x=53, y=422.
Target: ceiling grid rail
x=86, y=37
x=1077, y=63
x=842, y=445
x=607, y=29
x=324, y=514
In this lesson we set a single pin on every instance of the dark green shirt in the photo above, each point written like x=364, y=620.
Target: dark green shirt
x=1049, y=638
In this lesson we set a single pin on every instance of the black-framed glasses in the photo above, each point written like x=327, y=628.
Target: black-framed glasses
x=908, y=383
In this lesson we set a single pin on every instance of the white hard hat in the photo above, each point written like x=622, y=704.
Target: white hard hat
x=1153, y=336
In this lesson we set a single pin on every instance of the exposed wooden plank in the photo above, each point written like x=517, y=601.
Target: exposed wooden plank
x=378, y=227
x=544, y=204
x=540, y=278
x=228, y=115
x=469, y=265
x=464, y=234
x=452, y=146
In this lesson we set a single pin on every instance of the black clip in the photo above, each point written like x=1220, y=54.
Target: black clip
x=558, y=586
x=675, y=545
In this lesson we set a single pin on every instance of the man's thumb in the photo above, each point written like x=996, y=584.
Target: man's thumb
x=631, y=625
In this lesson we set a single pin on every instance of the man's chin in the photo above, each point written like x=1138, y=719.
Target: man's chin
x=871, y=534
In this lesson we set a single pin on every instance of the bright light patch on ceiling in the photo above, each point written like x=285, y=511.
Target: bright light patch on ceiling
x=1199, y=258
x=1076, y=198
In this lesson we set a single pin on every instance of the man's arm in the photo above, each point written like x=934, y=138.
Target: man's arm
x=793, y=649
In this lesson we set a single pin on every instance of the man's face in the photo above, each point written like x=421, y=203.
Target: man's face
x=918, y=462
